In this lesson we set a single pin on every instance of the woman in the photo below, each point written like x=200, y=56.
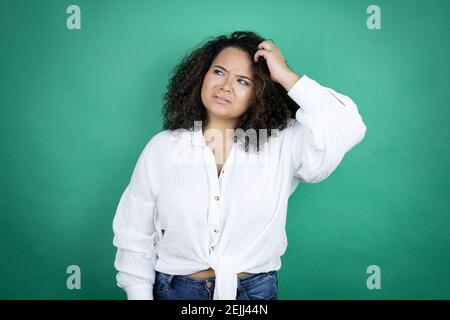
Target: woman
x=204, y=214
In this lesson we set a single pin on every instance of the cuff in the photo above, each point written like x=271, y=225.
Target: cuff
x=140, y=292
x=305, y=92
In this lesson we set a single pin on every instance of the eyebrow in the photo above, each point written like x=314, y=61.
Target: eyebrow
x=241, y=76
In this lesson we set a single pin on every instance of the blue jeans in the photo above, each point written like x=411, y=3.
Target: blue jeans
x=260, y=286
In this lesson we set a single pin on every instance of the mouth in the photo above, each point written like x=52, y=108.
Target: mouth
x=221, y=100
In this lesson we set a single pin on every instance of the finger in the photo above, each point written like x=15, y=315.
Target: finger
x=264, y=45
x=267, y=44
x=259, y=53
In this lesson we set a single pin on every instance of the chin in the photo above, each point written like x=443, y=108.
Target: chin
x=216, y=111
x=219, y=109
x=218, y=114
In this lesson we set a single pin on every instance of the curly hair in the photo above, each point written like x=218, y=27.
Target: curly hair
x=270, y=108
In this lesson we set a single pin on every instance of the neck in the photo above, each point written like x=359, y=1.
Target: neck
x=219, y=129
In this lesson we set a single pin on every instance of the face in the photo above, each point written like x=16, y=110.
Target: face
x=229, y=76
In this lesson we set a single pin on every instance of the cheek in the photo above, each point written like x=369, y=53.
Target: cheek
x=206, y=87
x=243, y=104
x=245, y=96
x=206, y=82
x=211, y=80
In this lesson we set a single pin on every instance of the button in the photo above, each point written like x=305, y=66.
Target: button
x=217, y=198
x=210, y=284
x=216, y=230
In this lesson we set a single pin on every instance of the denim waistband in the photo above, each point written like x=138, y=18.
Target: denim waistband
x=192, y=282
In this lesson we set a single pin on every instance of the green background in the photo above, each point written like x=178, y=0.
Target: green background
x=78, y=106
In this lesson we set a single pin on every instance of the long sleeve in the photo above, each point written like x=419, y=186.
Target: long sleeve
x=328, y=125
x=135, y=235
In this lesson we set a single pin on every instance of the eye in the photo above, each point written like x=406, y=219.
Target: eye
x=216, y=71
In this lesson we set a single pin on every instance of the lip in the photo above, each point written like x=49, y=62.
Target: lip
x=221, y=100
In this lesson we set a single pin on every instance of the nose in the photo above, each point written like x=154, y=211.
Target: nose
x=227, y=85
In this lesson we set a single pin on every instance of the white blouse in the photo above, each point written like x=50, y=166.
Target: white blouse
x=178, y=217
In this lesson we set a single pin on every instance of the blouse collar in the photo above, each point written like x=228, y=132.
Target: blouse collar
x=195, y=137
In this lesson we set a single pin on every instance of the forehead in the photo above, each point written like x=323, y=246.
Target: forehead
x=234, y=60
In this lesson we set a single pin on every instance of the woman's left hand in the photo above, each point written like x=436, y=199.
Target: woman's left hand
x=279, y=71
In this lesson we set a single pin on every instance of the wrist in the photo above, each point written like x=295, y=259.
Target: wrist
x=289, y=79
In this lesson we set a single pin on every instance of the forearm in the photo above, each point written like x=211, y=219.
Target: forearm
x=289, y=79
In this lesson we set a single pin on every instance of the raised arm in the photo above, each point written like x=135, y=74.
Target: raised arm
x=327, y=126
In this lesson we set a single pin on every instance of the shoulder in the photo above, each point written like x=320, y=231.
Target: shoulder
x=292, y=132
x=291, y=126
x=162, y=137
x=291, y=123
x=158, y=143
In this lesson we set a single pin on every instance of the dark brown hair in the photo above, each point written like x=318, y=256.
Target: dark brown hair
x=271, y=107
